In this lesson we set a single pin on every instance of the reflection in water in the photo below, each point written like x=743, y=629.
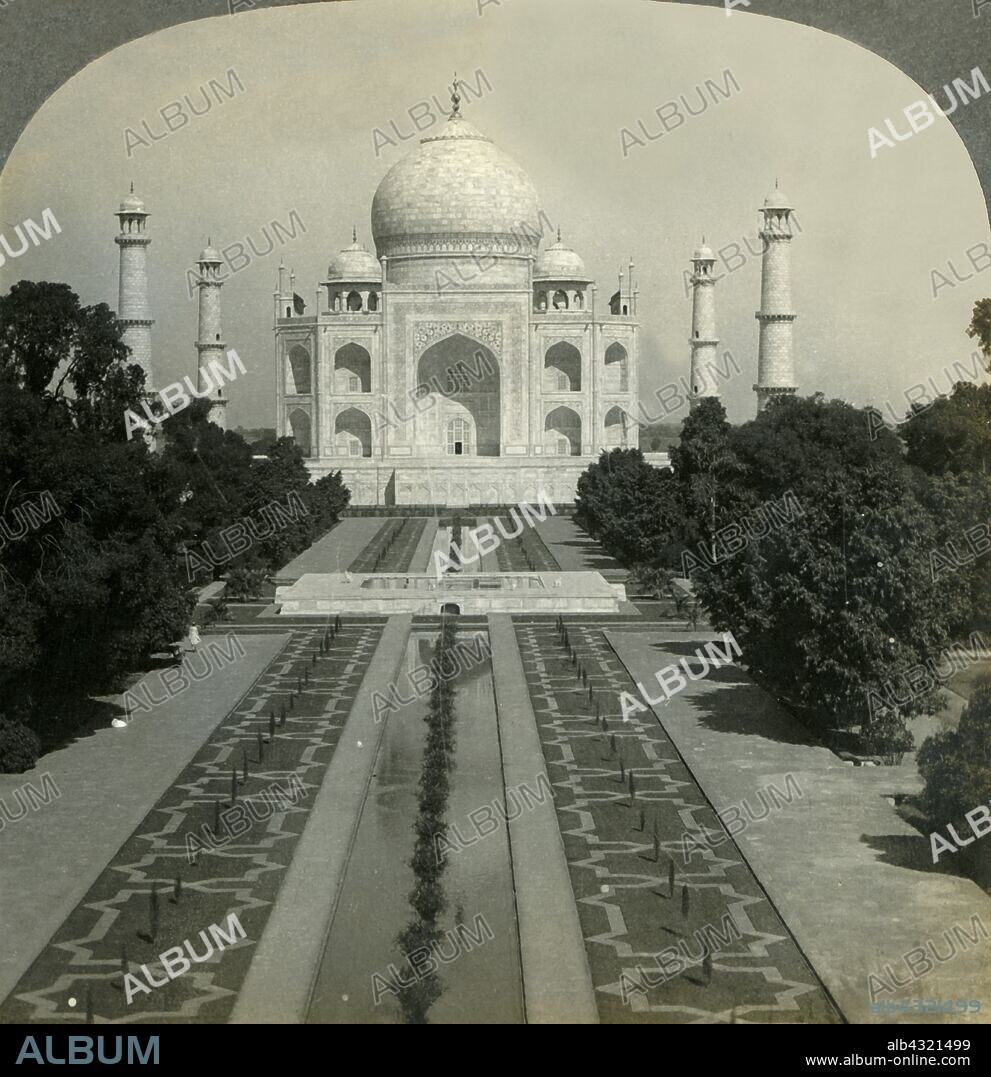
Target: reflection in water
x=483, y=985
x=427, y=900
x=461, y=662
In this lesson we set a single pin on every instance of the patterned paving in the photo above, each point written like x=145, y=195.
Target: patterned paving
x=83, y=961
x=514, y=554
x=627, y=912
x=392, y=548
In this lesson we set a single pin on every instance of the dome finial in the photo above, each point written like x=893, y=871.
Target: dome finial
x=209, y=241
x=354, y=234
x=559, y=233
x=455, y=98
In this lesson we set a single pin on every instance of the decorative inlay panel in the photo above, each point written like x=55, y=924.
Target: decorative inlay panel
x=490, y=333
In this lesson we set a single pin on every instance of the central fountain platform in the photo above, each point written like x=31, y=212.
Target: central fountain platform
x=317, y=594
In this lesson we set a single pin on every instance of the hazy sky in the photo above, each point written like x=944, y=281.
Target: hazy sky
x=566, y=76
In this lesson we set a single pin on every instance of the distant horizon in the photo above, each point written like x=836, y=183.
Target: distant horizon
x=301, y=137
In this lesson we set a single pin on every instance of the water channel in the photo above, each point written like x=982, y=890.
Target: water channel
x=483, y=984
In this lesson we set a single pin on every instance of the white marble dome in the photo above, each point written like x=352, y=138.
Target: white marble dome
x=455, y=192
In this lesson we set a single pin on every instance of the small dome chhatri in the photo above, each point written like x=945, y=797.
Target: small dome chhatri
x=703, y=252
x=354, y=263
x=559, y=262
x=130, y=203
x=777, y=199
x=209, y=254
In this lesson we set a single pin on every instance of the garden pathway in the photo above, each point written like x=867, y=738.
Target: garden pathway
x=108, y=782
x=854, y=883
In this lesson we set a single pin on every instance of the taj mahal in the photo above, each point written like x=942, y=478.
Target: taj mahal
x=461, y=364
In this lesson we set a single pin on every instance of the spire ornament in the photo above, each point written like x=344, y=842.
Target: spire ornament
x=455, y=98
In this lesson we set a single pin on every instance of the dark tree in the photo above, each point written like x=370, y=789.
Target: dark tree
x=837, y=600
x=953, y=435
x=956, y=767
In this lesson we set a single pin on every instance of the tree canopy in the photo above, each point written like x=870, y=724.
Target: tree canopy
x=93, y=580
x=812, y=541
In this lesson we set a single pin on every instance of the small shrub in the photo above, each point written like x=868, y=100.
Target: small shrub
x=956, y=764
x=244, y=583
x=19, y=747
x=887, y=737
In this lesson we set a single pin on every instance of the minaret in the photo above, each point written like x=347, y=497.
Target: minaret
x=209, y=344
x=703, y=339
x=132, y=307
x=283, y=302
x=775, y=360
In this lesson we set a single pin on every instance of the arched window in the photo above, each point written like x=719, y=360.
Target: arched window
x=560, y=300
x=617, y=377
x=373, y=301
x=458, y=438
x=563, y=432
x=616, y=424
x=353, y=433
x=563, y=368
x=354, y=301
x=352, y=369
x=299, y=424
x=298, y=373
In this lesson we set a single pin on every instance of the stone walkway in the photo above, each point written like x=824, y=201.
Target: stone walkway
x=622, y=863
x=422, y=559
x=854, y=882
x=573, y=550
x=280, y=982
x=557, y=986
x=237, y=871
x=108, y=781
x=336, y=550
